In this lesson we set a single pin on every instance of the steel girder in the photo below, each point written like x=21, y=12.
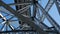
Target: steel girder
x=34, y=13
x=29, y=21
x=28, y=3
x=6, y=22
x=18, y=31
x=3, y=18
x=57, y=2
x=21, y=17
x=47, y=8
x=51, y=20
x=42, y=25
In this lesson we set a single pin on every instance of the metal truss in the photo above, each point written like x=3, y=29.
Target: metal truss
x=58, y=5
x=28, y=23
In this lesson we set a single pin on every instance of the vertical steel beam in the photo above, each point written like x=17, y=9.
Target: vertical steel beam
x=34, y=8
x=57, y=2
x=42, y=25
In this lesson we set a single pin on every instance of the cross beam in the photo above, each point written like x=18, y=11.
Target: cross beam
x=22, y=18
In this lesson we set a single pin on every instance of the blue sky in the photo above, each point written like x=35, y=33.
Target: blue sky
x=9, y=1
x=14, y=23
x=53, y=11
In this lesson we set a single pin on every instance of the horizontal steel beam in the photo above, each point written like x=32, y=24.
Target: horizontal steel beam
x=12, y=4
x=23, y=31
x=17, y=31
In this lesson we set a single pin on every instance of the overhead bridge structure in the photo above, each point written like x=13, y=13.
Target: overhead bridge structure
x=28, y=16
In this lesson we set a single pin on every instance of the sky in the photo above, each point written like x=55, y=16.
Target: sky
x=15, y=24
x=53, y=11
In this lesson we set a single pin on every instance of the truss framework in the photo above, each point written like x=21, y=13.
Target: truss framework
x=23, y=13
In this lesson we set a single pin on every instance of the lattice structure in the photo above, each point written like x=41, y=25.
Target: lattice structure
x=29, y=15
